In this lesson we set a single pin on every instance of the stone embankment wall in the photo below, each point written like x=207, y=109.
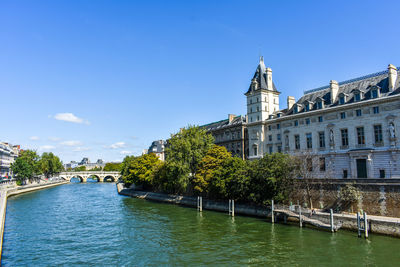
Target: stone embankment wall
x=7, y=191
x=379, y=197
x=377, y=224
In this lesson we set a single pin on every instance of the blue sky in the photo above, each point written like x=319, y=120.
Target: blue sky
x=102, y=79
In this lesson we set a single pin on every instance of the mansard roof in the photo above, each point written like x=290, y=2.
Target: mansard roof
x=365, y=84
x=261, y=77
x=238, y=120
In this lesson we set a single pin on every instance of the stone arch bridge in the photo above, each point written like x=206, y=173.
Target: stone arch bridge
x=101, y=176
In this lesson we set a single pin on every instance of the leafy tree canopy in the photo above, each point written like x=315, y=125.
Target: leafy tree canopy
x=112, y=166
x=49, y=164
x=140, y=170
x=207, y=167
x=26, y=166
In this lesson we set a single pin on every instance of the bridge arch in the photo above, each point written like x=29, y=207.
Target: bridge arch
x=109, y=178
x=80, y=178
x=94, y=177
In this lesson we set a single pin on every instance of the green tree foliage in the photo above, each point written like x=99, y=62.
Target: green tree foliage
x=188, y=147
x=112, y=167
x=172, y=177
x=140, y=170
x=207, y=167
x=270, y=176
x=80, y=169
x=97, y=169
x=49, y=164
x=26, y=166
x=231, y=180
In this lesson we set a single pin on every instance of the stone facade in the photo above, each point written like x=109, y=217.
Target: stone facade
x=350, y=128
x=8, y=154
x=232, y=134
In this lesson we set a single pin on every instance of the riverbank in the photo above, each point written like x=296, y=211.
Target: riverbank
x=377, y=224
x=16, y=190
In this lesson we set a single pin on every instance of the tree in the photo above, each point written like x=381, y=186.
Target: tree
x=26, y=166
x=97, y=169
x=231, y=180
x=270, y=177
x=172, y=177
x=140, y=170
x=80, y=169
x=112, y=166
x=189, y=146
x=49, y=164
x=207, y=167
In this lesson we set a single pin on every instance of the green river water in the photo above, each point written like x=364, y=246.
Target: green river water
x=91, y=225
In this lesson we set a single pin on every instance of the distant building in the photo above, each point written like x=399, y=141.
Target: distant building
x=84, y=161
x=232, y=134
x=8, y=154
x=71, y=165
x=158, y=148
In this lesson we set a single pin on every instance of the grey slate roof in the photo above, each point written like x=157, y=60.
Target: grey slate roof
x=261, y=77
x=238, y=120
x=365, y=84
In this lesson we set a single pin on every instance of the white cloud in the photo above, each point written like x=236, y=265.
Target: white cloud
x=54, y=139
x=79, y=149
x=71, y=143
x=46, y=148
x=70, y=117
x=34, y=138
x=118, y=145
x=125, y=152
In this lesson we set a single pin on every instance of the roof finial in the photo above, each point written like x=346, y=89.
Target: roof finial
x=261, y=59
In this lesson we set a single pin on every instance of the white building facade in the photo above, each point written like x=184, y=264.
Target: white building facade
x=349, y=127
x=8, y=154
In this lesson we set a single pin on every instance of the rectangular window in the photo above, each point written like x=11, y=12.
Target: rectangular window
x=270, y=149
x=278, y=137
x=278, y=126
x=320, y=119
x=279, y=149
x=258, y=117
x=307, y=121
x=376, y=110
x=374, y=93
x=345, y=137
x=378, y=134
x=343, y=115
x=296, y=123
x=295, y=110
x=357, y=97
x=358, y=112
x=319, y=105
x=307, y=107
x=269, y=128
x=297, y=142
x=322, y=165
x=309, y=140
x=382, y=174
x=345, y=173
x=341, y=100
x=360, y=136
x=270, y=137
x=255, y=151
x=321, y=139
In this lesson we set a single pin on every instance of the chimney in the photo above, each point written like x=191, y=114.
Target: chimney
x=392, y=76
x=334, y=85
x=268, y=71
x=290, y=102
x=231, y=117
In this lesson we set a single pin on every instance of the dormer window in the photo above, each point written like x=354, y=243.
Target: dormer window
x=307, y=106
x=342, y=99
x=271, y=116
x=278, y=115
x=357, y=97
x=320, y=103
x=296, y=109
x=374, y=93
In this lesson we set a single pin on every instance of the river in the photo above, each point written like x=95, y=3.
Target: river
x=91, y=225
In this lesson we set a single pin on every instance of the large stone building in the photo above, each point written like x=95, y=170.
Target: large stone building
x=157, y=148
x=8, y=154
x=232, y=134
x=350, y=126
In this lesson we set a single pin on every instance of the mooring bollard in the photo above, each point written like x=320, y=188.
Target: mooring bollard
x=199, y=203
x=233, y=208
x=301, y=224
x=358, y=224
x=365, y=225
x=272, y=212
x=331, y=219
